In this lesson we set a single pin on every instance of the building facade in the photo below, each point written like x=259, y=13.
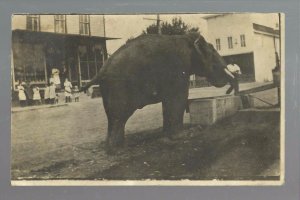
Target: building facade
x=250, y=40
x=75, y=45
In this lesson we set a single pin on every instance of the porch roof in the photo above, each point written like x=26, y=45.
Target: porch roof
x=42, y=36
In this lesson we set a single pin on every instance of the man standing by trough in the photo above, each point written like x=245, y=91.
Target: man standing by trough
x=235, y=72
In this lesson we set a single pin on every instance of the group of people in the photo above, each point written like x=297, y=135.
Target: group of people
x=31, y=95
x=27, y=95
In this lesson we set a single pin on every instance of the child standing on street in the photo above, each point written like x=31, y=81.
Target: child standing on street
x=68, y=90
x=52, y=93
x=47, y=94
x=56, y=99
x=76, y=93
x=21, y=95
x=36, y=96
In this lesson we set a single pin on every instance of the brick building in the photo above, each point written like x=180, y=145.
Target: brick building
x=73, y=44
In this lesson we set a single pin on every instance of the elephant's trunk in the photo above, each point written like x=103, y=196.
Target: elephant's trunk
x=221, y=78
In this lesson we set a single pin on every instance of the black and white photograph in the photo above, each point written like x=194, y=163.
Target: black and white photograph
x=147, y=99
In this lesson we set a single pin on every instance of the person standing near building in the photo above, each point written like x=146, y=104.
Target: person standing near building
x=234, y=72
x=68, y=90
x=55, y=78
x=63, y=75
x=28, y=93
x=21, y=95
x=76, y=93
x=36, y=96
x=47, y=94
x=52, y=93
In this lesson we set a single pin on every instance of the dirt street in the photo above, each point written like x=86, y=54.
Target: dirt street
x=66, y=142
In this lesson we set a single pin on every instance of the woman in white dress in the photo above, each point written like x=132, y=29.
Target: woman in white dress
x=68, y=90
x=21, y=95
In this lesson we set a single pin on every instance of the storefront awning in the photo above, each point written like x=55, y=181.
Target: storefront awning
x=38, y=36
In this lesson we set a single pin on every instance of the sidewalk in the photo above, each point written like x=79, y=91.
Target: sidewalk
x=28, y=108
x=202, y=92
x=61, y=102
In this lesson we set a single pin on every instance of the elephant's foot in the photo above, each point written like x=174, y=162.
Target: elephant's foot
x=113, y=150
x=114, y=143
x=173, y=130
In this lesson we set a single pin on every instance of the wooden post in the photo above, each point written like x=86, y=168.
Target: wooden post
x=69, y=71
x=279, y=95
x=158, y=25
x=279, y=88
x=79, y=69
x=12, y=69
x=45, y=66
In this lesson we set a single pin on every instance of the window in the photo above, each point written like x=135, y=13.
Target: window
x=243, y=41
x=33, y=22
x=84, y=24
x=91, y=60
x=230, y=46
x=60, y=23
x=29, y=63
x=218, y=44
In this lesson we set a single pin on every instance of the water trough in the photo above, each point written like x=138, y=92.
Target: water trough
x=207, y=111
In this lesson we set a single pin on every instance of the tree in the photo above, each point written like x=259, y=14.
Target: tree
x=176, y=27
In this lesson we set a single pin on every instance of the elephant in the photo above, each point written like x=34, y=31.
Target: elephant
x=151, y=69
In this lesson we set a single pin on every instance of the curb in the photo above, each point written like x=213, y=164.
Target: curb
x=38, y=108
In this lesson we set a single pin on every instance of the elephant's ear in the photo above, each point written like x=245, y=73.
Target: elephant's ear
x=202, y=55
x=196, y=45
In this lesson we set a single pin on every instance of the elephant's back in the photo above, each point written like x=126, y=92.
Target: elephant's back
x=147, y=55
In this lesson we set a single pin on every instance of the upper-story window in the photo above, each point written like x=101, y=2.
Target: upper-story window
x=243, y=41
x=218, y=44
x=33, y=22
x=84, y=24
x=230, y=45
x=60, y=23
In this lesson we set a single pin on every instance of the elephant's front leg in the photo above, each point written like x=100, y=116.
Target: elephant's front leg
x=173, y=111
x=115, y=135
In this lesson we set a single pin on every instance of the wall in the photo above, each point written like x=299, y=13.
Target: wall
x=73, y=24
x=47, y=24
x=97, y=25
x=18, y=22
x=233, y=25
x=266, y=19
x=264, y=57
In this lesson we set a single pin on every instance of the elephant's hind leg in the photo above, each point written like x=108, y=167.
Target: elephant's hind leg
x=117, y=116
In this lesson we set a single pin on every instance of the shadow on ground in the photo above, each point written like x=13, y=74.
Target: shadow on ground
x=243, y=147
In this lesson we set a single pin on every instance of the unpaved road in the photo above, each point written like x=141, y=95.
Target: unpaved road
x=66, y=143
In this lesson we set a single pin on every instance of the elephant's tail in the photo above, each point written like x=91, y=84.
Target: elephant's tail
x=94, y=81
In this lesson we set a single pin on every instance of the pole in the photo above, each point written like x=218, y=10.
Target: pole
x=279, y=88
x=12, y=69
x=79, y=69
x=158, y=25
x=45, y=65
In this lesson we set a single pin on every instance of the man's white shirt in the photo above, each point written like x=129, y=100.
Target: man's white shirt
x=234, y=68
